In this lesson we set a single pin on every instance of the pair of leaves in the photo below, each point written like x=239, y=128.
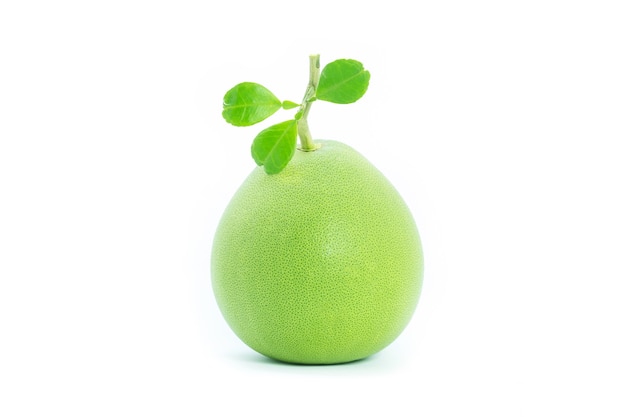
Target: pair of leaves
x=249, y=103
x=342, y=81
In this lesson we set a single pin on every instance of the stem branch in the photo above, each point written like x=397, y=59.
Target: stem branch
x=306, y=140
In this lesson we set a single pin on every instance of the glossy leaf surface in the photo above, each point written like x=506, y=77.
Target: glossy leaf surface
x=274, y=147
x=343, y=81
x=249, y=103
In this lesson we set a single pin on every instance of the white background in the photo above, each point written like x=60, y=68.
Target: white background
x=501, y=123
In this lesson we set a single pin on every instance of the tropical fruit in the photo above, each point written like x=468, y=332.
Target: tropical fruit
x=316, y=259
x=320, y=263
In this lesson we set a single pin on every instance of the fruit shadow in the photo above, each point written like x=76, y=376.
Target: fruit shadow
x=264, y=360
x=375, y=364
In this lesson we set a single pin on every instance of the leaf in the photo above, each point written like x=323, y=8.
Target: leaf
x=287, y=105
x=343, y=81
x=274, y=147
x=248, y=103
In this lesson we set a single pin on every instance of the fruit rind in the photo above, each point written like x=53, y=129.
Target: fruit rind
x=319, y=264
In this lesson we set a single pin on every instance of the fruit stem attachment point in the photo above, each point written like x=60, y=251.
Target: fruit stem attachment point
x=306, y=140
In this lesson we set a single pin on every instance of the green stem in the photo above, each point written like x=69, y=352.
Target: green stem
x=306, y=140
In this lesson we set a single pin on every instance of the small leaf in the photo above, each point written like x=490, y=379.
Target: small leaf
x=287, y=104
x=343, y=81
x=248, y=103
x=274, y=147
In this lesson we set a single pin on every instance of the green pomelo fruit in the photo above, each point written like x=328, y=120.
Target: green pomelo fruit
x=319, y=264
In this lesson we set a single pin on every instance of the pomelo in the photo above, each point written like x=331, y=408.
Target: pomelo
x=320, y=263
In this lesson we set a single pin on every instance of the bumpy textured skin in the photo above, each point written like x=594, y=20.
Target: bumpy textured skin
x=319, y=264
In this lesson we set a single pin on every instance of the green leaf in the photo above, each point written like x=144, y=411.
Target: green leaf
x=287, y=104
x=248, y=103
x=274, y=147
x=343, y=81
